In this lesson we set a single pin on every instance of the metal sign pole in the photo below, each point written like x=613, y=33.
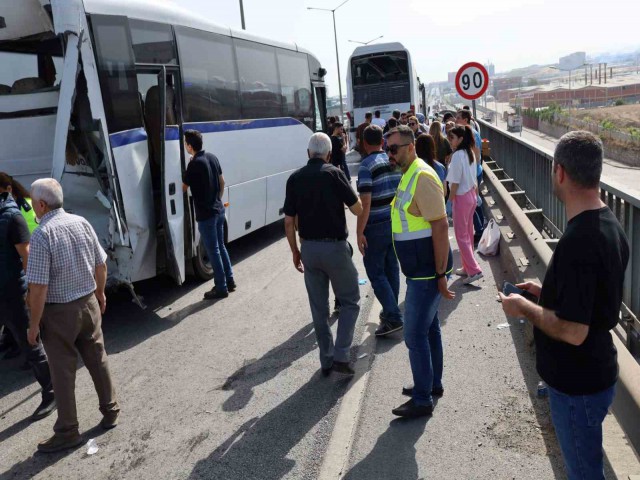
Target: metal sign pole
x=473, y=107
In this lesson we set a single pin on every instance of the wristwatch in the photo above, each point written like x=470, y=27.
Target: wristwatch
x=440, y=275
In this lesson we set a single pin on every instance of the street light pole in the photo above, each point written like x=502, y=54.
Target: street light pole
x=335, y=34
x=242, y=14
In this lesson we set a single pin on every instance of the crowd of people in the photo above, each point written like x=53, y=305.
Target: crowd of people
x=53, y=269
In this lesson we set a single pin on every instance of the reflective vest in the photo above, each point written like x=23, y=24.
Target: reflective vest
x=412, y=240
x=29, y=214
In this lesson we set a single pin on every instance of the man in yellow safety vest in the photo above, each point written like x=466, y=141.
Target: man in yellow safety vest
x=421, y=241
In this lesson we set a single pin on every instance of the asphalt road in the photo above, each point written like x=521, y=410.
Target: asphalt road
x=227, y=390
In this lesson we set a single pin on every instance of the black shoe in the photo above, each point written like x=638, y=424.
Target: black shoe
x=387, y=328
x=46, y=408
x=435, y=391
x=231, y=286
x=411, y=410
x=326, y=371
x=214, y=294
x=343, y=367
x=382, y=317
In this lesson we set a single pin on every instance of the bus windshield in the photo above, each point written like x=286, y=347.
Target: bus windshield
x=379, y=68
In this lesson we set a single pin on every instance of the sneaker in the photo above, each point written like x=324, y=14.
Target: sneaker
x=411, y=410
x=388, y=328
x=435, y=391
x=46, y=408
x=60, y=442
x=110, y=420
x=231, y=286
x=343, y=367
x=460, y=272
x=473, y=278
x=214, y=294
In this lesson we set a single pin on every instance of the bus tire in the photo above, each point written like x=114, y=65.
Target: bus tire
x=201, y=267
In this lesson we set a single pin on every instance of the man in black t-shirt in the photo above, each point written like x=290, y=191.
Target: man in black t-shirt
x=339, y=148
x=14, y=253
x=204, y=177
x=579, y=302
x=316, y=195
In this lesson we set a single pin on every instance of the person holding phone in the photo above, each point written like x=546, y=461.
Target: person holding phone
x=578, y=304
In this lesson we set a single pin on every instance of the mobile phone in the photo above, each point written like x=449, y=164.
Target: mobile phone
x=509, y=288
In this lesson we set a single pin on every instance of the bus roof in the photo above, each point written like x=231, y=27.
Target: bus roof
x=378, y=48
x=170, y=13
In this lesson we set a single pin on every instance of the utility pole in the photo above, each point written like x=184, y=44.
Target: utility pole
x=335, y=34
x=242, y=15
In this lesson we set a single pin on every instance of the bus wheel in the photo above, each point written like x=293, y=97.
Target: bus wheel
x=201, y=266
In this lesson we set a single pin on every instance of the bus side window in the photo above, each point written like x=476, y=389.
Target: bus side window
x=117, y=72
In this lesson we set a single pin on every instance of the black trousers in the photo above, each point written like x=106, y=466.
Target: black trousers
x=16, y=319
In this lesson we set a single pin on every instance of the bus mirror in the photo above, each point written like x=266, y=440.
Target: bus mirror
x=322, y=72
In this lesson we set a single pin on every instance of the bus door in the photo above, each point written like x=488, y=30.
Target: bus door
x=158, y=89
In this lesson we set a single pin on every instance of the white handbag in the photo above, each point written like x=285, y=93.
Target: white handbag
x=490, y=241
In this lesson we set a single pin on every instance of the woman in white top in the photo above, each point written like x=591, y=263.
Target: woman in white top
x=464, y=196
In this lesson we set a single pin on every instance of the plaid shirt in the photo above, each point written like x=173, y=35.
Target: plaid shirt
x=63, y=254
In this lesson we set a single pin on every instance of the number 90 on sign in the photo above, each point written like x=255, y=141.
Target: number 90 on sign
x=472, y=80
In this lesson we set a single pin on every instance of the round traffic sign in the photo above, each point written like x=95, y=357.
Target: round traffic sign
x=472, y=80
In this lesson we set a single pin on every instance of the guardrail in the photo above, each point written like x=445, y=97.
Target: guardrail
x=525, y=169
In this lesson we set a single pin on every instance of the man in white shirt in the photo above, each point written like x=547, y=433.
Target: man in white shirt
x=381, y=122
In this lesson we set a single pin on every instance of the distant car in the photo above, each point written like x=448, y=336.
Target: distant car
x=488, y=116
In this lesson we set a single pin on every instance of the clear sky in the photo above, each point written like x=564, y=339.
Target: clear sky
x=441, y=35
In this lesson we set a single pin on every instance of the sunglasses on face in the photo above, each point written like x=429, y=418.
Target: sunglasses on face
x=393, y=149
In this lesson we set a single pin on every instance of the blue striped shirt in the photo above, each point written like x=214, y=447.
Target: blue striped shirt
x=379, y=178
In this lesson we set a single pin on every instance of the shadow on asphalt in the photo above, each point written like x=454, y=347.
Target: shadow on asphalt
x=394, y=454
x=38, y=462
x=256, y=372
x=125, y=325
x=260, y=447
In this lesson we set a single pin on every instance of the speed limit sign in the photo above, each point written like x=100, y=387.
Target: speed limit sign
x=472, y=80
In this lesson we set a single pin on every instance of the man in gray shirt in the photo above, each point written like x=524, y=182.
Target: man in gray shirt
x=67, y=273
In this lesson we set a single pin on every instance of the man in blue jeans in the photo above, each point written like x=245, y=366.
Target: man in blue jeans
x=579, y=302
x=204, y=177
x=421, y=241
x=377, y=184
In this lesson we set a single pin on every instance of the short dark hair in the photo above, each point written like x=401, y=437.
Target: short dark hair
x=466, y=114
x=368, y=115
x=377, y=113
x=372, y=135
x=392, y=122
x=396, y=114
x=447, y=116
x=466, y=107
x=194, y=139
x=405, y=132
x=332, y=119
x=337, y=124
x=580, y=153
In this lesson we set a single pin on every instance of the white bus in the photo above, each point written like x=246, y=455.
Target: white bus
x=97, y=94
x=381, y=77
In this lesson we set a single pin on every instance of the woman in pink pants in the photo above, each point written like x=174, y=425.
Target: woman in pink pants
x=464, y=196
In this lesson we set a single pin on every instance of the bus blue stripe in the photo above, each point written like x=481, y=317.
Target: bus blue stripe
x=211, y=127
x=121, y=139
